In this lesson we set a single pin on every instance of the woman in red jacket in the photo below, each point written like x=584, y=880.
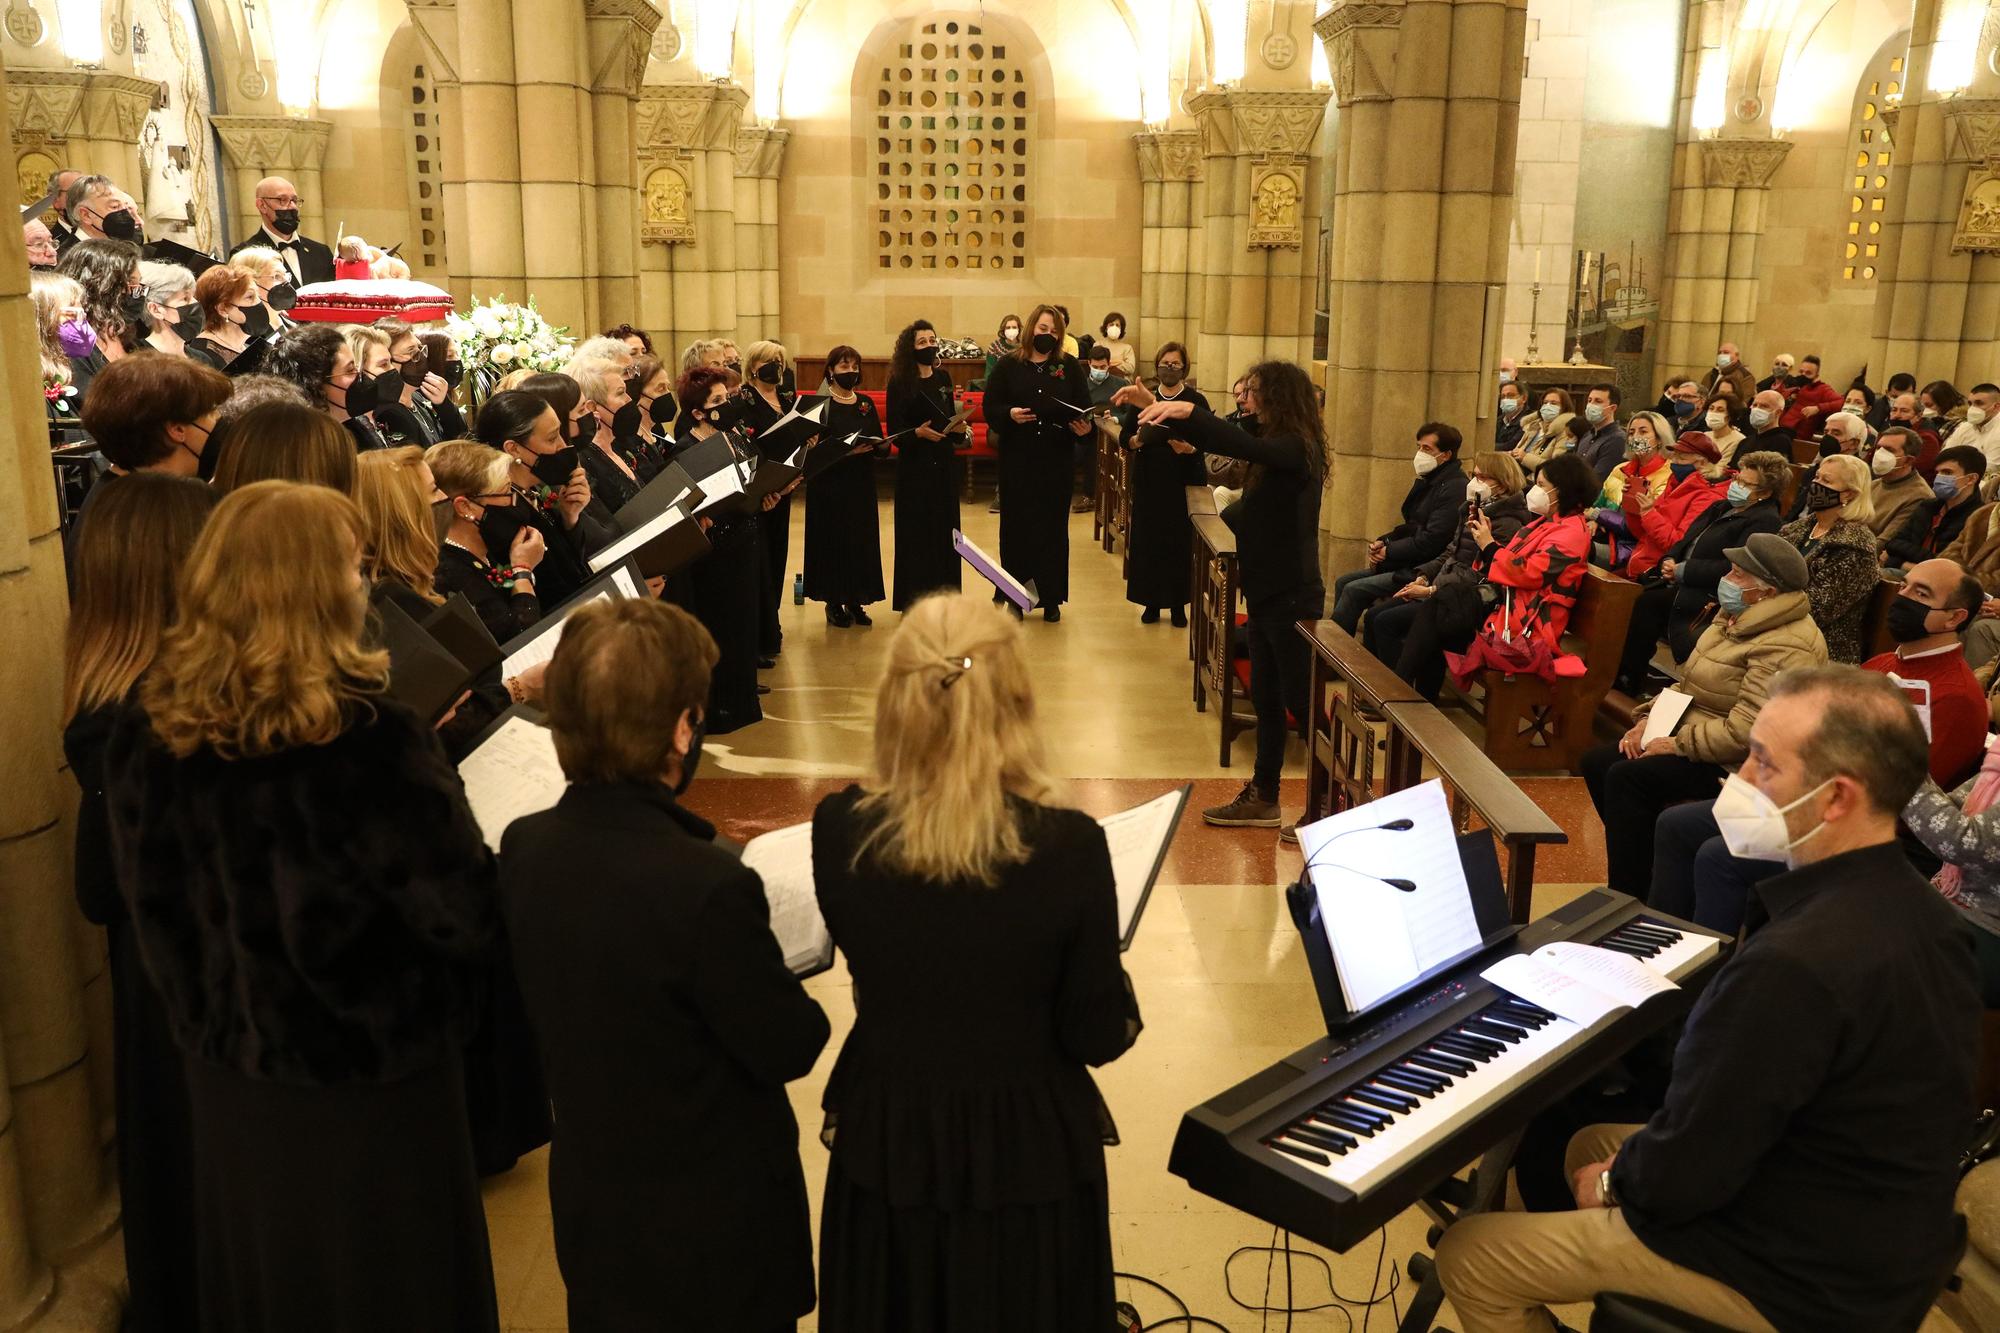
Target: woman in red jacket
x=1539, y=574
x=1700, y=482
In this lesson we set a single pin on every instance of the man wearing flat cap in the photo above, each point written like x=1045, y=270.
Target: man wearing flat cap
x=1763, y=626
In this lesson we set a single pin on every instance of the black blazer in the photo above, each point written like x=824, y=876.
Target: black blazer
x=315, y=259
x=668, y=1026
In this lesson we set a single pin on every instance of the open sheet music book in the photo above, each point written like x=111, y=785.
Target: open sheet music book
x=1384, y=936
x=1139, y=839
x=512, y=771
x=538, y=645
x=789, y=433
x=662, y=545
x=1580, y=982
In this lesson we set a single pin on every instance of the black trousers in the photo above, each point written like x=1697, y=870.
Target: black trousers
x=1280, y=678
x=1629, y=795
x=1643, y=631
x=1413, y=636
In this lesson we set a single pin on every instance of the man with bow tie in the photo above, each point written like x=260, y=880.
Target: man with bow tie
x=278, y=205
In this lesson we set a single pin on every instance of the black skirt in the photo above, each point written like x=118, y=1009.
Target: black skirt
x=1035, y=464
x=351, y=1208
x=1162, y=537
x=724, y=592
x=844, y=535
x=926, y=514
x=506, y=1100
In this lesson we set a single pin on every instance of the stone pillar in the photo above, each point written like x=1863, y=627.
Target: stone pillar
x=86, y=119
x=57, y=1197
x=471, y=45
x=760, y=156
x=294, y=147
x=1715, y=220
x=1423, y=186
x=687, y=231
x=1260, y=226
x=1170, y=181
x=552, y=133
x=1937, y=308
x=621, y=35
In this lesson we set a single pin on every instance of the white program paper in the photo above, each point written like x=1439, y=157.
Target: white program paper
x=1579, y=982
x=782, y=858
x=621, y=549
x=1138, y=839
x=1383, y=938
x=1668, y=709
x=513, y=773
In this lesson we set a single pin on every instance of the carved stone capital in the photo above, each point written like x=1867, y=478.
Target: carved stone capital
x=760, y=151
x=1743, y=164
x=43, y=105
x=680, y=116
x=1972, y=128
x=436, y=22
x=273, y=143
x=1169, y=155
x=1237, y=120
x=1361, y=37
x=115, y=106
x=621, y=39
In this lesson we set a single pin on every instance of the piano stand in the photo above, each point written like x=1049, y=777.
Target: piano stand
x=1485, y=1192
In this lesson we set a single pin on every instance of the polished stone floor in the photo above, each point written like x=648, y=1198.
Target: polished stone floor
x=1216, y=964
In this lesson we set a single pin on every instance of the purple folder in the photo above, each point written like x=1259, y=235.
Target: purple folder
x=1020, y=594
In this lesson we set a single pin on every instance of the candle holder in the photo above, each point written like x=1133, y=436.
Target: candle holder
x=1534, y=322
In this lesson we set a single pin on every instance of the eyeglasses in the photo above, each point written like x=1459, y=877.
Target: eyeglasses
x=280, y=200
x=409, y=360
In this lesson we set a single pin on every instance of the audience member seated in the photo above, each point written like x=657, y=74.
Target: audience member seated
x=1643, y=472
x=1511, y=424
x=1444, y=605
x=1800, y=1173
x=1694, y=874
x=1981, y=427
x=1766, y=429
x=1432, y=512
x=1962, y=828
x=1729, y=380
x=1902, y=409
x=1680, y=405
x=489, y=552
x=1721, y=420
x=1657, y=520
x=1898, y=490
x=1860, y=400
x=283, y=441
x=1809, y=400
x=1544, y=435
x=1943, y=408
x=1900, y=383
x=1839, y=551
x=1603, y=444
x=1931, y=526
x=1763, y=626
x=308, y=888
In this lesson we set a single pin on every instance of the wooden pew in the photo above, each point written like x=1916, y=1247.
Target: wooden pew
x=1107, y=482
x=1340, y=747
x=1420, y=733
x=1793, y=480
x=1875, y=635
x=1215, y=598
x=1200, y=500
x=1534, y=726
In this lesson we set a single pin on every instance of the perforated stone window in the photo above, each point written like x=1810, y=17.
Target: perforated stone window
x=954, y=138
x=1869, y=154
x=425, y=131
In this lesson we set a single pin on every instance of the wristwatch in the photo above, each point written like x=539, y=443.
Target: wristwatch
x=1604, y=1188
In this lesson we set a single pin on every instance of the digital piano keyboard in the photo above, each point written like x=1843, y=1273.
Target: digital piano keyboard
x=1337, y=1138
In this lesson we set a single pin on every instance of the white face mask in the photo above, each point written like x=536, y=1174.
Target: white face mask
x=1594, y=413
x=1717, y=421
x=1753, y=825
x=1976, y=415
x=1760, y=417
x=1550, y=411
x=1423, y=463
x=1506, y=377
x=1479, y=489
x=1538, y=500
x=1722, y=360
x=1115, y=332
x=1882, y=462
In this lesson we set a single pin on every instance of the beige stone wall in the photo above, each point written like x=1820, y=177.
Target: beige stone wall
x=1547, y=152
x=364, y=93
x=1085, y=229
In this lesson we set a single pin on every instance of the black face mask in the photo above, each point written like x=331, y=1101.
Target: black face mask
x=736, y=366
x=692, y=759
x=1046, y=343
x=283, y=296
x=846, y=380
x=625, y=421
x=1820, y=497
x=132, y=309
x=188, y=321
x=286, y=221
x=123, y=226
x=1906, y=619
x=454, y=373
x=554, y=469
x=722, y=418
x=927, y=356
x=441, y=518
x=413, y=372
x=497, y=527
x=256, y=321
x=1170, y=375
x=362, y=395
x=770, y=372
x=211, y=452
x=580, y=429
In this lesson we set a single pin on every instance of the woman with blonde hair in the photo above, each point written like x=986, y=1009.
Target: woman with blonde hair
x=399, y=498
x=273, y=280
x=311, y=948
x=61, y=326
x=1839, y=548
x=119, y=609
x=966, y=1133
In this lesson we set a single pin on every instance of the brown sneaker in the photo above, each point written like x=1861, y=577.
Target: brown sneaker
x=1248, y=810
x=1289, y=835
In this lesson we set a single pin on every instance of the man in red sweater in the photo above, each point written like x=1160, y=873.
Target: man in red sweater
x=1939, y=600
x=1809, y=400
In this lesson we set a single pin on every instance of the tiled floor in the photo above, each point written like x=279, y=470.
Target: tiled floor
x=1216, y=963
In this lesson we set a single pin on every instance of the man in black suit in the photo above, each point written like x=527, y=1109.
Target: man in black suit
x=667, y=1020
x=278, y=205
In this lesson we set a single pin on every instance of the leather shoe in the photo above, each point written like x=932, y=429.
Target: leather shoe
x=766, y=663
x=1052, y=614
x=837, y=617
x=859, y=615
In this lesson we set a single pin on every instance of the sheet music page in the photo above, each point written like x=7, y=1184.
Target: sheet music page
x=1382, y=937
x=1538, y=982
x=1626, y=979
x=782, y=858
x=514, y=773
x=1137, y=838
x=1669, y=707
x=619, y=550
x=543, y=647
x=628, y=583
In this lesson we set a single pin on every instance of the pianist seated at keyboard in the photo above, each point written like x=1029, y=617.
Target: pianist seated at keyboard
x=1800, y=1174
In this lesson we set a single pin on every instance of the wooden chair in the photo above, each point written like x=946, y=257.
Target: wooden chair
x=1200, y=500
x=1795, y=479
x=1534, y=726
x=1805, y=452
x=1875, y=635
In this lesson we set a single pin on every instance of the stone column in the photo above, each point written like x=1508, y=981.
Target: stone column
x=1260, y=226
x=1423, y=186
x=294, y=147
x=86, y=119
x=437, y=24
x=552, y=131
x=1937, y=308
x=621, y=35
x=1715, y=220
x=687, y=230
x=57, y=1198
x=1170, y=181
x=760, y=156
x=471, y=45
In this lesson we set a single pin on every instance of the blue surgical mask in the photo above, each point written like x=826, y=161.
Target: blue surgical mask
x=1730, y=598
x=1098, y=376
x=1594, y=413
x=1739, y=494
x=1684, y=409
x=1680, y=469
x=1508, y=404
x=1944, y=486
x=1550, y=411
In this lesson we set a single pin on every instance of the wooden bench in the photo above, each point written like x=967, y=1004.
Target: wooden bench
x=1215, y=596
x=1875, y=636
x=1200, y=500
x=1340, y=746
x=1534, y=726
x=1419, y=733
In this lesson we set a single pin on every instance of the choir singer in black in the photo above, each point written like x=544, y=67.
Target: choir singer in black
x=1163, y=468
x=667, y=1020
x=1035, y=455
x=920, y=402
x=843, y=529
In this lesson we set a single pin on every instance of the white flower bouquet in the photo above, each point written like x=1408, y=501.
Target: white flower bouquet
x=499, y=336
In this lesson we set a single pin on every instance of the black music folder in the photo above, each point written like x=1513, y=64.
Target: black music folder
x=789, y=433
x=457, y=627
x=657, y=496
x=1055, y=410
x=831, y=450
x=717, y=468
x=1139, y=839
x=538, y=644
x=424, y=675
x=662, y=545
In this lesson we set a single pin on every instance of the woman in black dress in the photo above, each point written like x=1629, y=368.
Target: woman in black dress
x=1162, y=469
x=642, y=424
x=722, y=585
x=119, y=608
x=843, y=528
x=489, y=552
x=447, y=372
x=311, y=946
x=613, y=477
x=966, y=1189
x=1035, y=457
x=920, y=400
x=763, y=401
x=406, y=401
x=229, y=304
x=551, y=488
